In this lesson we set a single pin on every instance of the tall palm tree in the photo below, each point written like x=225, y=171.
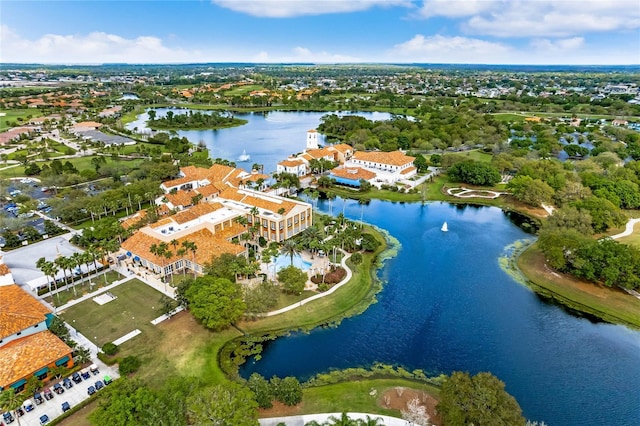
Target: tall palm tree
x=192, y=247
x=290, y=248
x=10, y=401
x=61, y=263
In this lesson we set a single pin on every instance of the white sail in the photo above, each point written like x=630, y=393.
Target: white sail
x=244, y=156
x=444, y=228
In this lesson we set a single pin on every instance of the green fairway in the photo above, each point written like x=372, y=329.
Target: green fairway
x=136, y=305
x=12, y=115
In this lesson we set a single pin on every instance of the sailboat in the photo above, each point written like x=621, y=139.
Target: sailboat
x=444, y=228
x=244, y=156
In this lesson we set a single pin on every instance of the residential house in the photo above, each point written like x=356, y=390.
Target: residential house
x=389, y=167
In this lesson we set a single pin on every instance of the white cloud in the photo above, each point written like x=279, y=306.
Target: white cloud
x=540, y=51
x=561, y=45
x=538, y=18
x=96, y=47
x=291, y=8
x=442, y=49
x=303, y=54
x=455, y=8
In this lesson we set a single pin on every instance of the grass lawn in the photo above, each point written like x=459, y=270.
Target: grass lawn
x=473, y=154
x=610, y=304
x=14, y=115
x=80, y=163
x=505, y=116
x=290, y=299
x=63, y=297
x=633, y=239
x=355, y=396
x=242, y=90
x=136, y=305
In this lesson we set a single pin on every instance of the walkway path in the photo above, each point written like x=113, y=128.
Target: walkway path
x=628, y=230
x=318, y=296
x=320, y=418
x=468, y=193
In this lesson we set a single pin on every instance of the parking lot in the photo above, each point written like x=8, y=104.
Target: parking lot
x=74, y=396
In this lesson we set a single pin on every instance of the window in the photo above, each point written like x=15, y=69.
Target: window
x=179, y=264
x=281, y=225
x=37, y=325
x=273, y=226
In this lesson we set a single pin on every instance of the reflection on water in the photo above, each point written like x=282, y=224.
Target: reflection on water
x=447, y=305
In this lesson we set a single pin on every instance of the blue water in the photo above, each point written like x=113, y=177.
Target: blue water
x=284, y=260
x=268, y=138
x=447, y=306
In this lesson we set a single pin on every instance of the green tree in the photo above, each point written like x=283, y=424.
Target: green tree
x=10, y=401
x=261, y=389
x=290, y=248
x=292, y=279
x=530, y=191
x=216, y=302
x=223, y=405
x=421, y=163
x=478, y=400
x=474, y=172
x=287, y=390
x=261, y=298
x=128, y=402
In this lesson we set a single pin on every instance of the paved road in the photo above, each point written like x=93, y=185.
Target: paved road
x=628, y=230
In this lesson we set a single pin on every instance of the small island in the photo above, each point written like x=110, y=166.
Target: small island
x=193, y=120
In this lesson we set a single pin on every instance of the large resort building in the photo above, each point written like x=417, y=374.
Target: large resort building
x=27, y=348
x=209, y=205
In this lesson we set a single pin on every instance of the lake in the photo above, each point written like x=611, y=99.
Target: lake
x=447, y=305
x=268, y=137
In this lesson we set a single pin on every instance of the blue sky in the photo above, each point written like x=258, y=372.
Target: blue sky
x=321, y=31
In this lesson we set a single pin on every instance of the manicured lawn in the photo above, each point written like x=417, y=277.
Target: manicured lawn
x=242, y=90
x=474, y=154
x=98, y=282
x=502, y=116
x=79, y=163
x=136, y=305
x=355, y=396
x=290, y=299
x=610, y=304
x=14, y=114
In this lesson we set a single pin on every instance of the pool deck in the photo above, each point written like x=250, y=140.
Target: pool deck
x=319, y=264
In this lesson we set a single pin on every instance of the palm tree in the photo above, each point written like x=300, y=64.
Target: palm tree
x=290, y=248
x=161, y=250
x=192, y=247
x=10, y=401
x=344, y=420
x=62, y=263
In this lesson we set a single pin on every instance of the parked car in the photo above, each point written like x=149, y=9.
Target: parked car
x=67, y=383
x=65, y=406
x=85, y=374
x=47, y=394
x=99, y=385
x=58, y=389
x=94, y=369
x=76, y=377
x=44, y=419
x=107, y=380
x=37, y=397
x=19, y=411
x=28, y=405
x=7, y=417
x=91, y=390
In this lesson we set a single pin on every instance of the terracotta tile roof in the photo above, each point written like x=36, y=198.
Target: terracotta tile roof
x=291, y=163
x=262, y=203
x=353, y=173
x=256, y=176
x=312, y=131
x=181, y=198
x=342, y=147
x=320, y=153
x=177, y=182
x=134, y=219
x=194, y=212
x=394, y=158
x=407, y=170
x=208, y=243
x=208, y=190
x=4, y=269
x=18, y=310
x=25, y=356
x=162, y=222
x=88, y=124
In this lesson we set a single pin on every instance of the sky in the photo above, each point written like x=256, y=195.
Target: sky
x=564, y=32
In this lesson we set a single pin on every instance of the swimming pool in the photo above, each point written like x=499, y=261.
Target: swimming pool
x=284, y=260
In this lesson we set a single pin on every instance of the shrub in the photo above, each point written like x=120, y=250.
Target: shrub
x=356, y=258
x=110, y=349
x=287, y=390
x=129, y=365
